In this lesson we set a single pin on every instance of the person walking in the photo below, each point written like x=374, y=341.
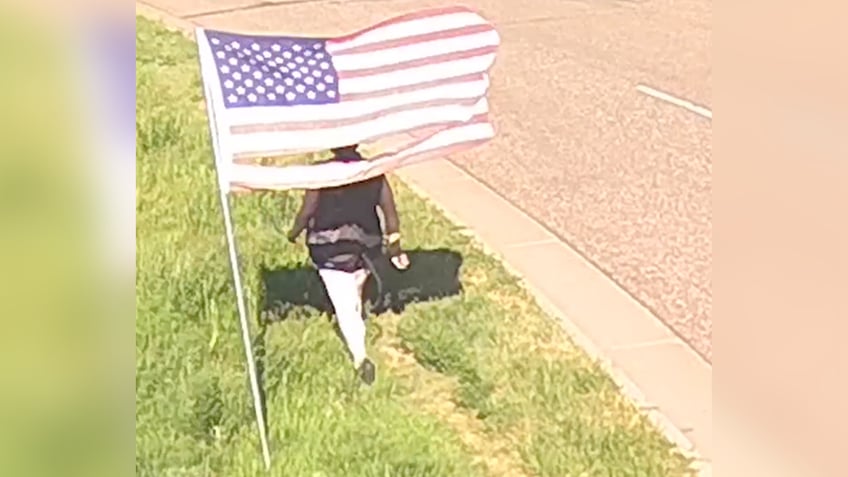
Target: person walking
x=344, y=234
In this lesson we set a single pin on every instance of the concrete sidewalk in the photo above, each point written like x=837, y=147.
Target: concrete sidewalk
x=670, y=382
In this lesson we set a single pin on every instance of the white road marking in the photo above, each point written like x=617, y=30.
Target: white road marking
x=700, y=110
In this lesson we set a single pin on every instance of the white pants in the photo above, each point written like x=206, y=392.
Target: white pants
x=345, y=292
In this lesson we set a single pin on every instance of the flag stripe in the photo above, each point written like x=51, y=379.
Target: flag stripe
x=333, y=174
x=404, y=107
x=401, y=89
x=393, y=59
x=414, y=39
x=389, y=142
x=313, y=177
x=351, y=134
x=463, y=65
x=470, y=86
x=347, y=64
x=423, y=143
x=415, y=132
x=411, y=24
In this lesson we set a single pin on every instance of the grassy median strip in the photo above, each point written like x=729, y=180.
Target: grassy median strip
x=476, y=381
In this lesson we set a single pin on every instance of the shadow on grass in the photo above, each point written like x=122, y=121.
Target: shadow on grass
x=432, y=274
x=288, y=292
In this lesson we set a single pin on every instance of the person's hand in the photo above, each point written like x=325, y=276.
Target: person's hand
x=401, y=261
x=395, y=252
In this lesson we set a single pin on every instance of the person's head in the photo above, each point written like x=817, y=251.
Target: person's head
x=346, y=153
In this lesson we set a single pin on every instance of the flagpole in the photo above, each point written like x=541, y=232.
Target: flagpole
x=223, y=186
x=245, y=331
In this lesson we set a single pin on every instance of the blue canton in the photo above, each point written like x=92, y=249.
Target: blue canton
x=257, y=71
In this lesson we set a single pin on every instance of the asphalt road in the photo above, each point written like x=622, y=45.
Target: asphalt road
x=622, y=176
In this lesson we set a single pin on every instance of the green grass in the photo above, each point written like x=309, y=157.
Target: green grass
x=526, y=398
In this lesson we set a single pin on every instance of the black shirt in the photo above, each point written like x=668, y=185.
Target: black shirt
x=350, y=204
x=345, y=225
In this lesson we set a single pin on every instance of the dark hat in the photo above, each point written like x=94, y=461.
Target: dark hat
x=346, y=153
x=345, y=149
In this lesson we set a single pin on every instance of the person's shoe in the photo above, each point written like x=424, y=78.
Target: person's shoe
x=367, y=371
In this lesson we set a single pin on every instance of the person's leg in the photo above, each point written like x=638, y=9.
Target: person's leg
x=343, y=289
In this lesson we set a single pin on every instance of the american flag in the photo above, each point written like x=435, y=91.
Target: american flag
x=421, y=76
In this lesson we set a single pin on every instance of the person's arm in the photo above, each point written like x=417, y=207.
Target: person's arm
x=391, y=227
x=307, y=210
x=391, y=224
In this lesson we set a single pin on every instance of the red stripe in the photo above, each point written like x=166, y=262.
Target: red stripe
x=335, y=123
x=419, y=135
x=455, y=148
x=442, y=151
x=412, y=87
x=244, y=157
x=411, y=40
x=433, y=12
x=420, y=156
x=452, y=56
x=423, y=133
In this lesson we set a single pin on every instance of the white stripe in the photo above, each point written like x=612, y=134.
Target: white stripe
x=335, y=174
x=351, y=134
x=350, y=109
x=409, y=76
x=419, y=26
x=415, y=51
x=450, y=137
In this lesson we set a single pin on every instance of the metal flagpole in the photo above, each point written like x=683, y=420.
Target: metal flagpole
x=234, y=265
x=245, y=331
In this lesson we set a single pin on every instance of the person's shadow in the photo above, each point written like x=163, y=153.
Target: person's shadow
x=432, y=274
x=289, y=292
